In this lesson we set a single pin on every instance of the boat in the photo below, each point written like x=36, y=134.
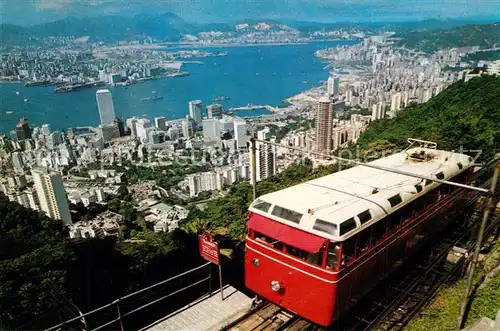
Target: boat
x=10, y=112
x=221, y=98
x=77, y=87
x=17, y=92
x=153, y=97
x=26, y=100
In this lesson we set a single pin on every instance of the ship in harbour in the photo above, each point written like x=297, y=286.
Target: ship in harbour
x=222, y=98
x=77, y=87
x=153, y=97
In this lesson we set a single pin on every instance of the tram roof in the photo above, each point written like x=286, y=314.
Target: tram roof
x=337, y=206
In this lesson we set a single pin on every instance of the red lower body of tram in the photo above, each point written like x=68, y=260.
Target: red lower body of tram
x=285, y=264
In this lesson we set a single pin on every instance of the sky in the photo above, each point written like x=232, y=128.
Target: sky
x=29, y=12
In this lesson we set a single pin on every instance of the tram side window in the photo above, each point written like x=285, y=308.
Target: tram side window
x=363, y=242
x=394, y=220
x=348, y=250
x=268, y=240
x=379, y=230
x=332, y=259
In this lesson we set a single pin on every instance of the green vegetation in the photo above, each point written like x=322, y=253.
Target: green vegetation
x=165, y=176
x=484, y=36
x=442, y=314
x=464, y=115
x=484, y=56
x=297, y=123
x=39, y=266
x=227, y=215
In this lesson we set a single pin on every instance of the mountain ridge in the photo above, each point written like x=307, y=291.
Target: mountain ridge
x=168, y=26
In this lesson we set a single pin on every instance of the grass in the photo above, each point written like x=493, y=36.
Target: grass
x=442, y=314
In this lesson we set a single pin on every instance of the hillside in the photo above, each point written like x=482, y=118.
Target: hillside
x=170, y=27
x=484, y=36
x=166, y=26
x=465, y=114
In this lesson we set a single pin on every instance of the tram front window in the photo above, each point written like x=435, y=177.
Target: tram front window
x=313, y=258
x=269, y=241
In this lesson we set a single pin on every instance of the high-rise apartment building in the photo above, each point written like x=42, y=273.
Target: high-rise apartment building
x=265, y=156
x=105, y=106
x=396, y=102
x=195, y=108
x=324, y=125
x=378, y=111
x=51, y=194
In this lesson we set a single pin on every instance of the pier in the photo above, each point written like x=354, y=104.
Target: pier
x=253, y=107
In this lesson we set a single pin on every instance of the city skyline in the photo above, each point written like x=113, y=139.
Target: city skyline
x=210, y=11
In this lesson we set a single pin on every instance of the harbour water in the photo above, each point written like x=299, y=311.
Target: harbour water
x=247, y=75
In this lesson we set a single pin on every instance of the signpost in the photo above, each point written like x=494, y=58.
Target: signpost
x=209, y=250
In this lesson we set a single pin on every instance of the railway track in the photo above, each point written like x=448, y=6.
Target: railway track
x=267, y=317
x=404, y=293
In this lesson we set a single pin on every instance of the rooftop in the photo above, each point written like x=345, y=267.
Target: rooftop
x=338, y=197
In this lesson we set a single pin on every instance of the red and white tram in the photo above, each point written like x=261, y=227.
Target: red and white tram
x=316, y=248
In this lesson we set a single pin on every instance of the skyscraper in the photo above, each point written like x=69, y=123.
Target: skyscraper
x=329, y=85
x=23, y=130
x=195, y=108
x=51, y=194
x=214, y=111
x=240, y=133
x=265, y=156
x=333, y=86
x=160, y=123
x=336, y=85
x=105, y=106
x=324, y=125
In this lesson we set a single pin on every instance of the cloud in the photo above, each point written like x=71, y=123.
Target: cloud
x=53, y=4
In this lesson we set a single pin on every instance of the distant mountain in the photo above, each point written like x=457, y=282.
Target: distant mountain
x=170, y=27
x=383, y=26
x=167, y=26
x=484, y=36
x=13, y=35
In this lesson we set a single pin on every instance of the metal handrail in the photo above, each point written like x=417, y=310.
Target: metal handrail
x=117, y=301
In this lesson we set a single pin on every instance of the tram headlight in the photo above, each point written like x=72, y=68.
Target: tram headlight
x=275, y=286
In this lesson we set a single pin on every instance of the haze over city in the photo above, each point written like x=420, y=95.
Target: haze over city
x=213, y=11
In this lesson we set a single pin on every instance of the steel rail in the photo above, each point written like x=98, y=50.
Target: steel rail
x=368, y=165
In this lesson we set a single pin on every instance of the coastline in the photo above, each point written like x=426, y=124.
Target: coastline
x=301, y=95
x=176, y=45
